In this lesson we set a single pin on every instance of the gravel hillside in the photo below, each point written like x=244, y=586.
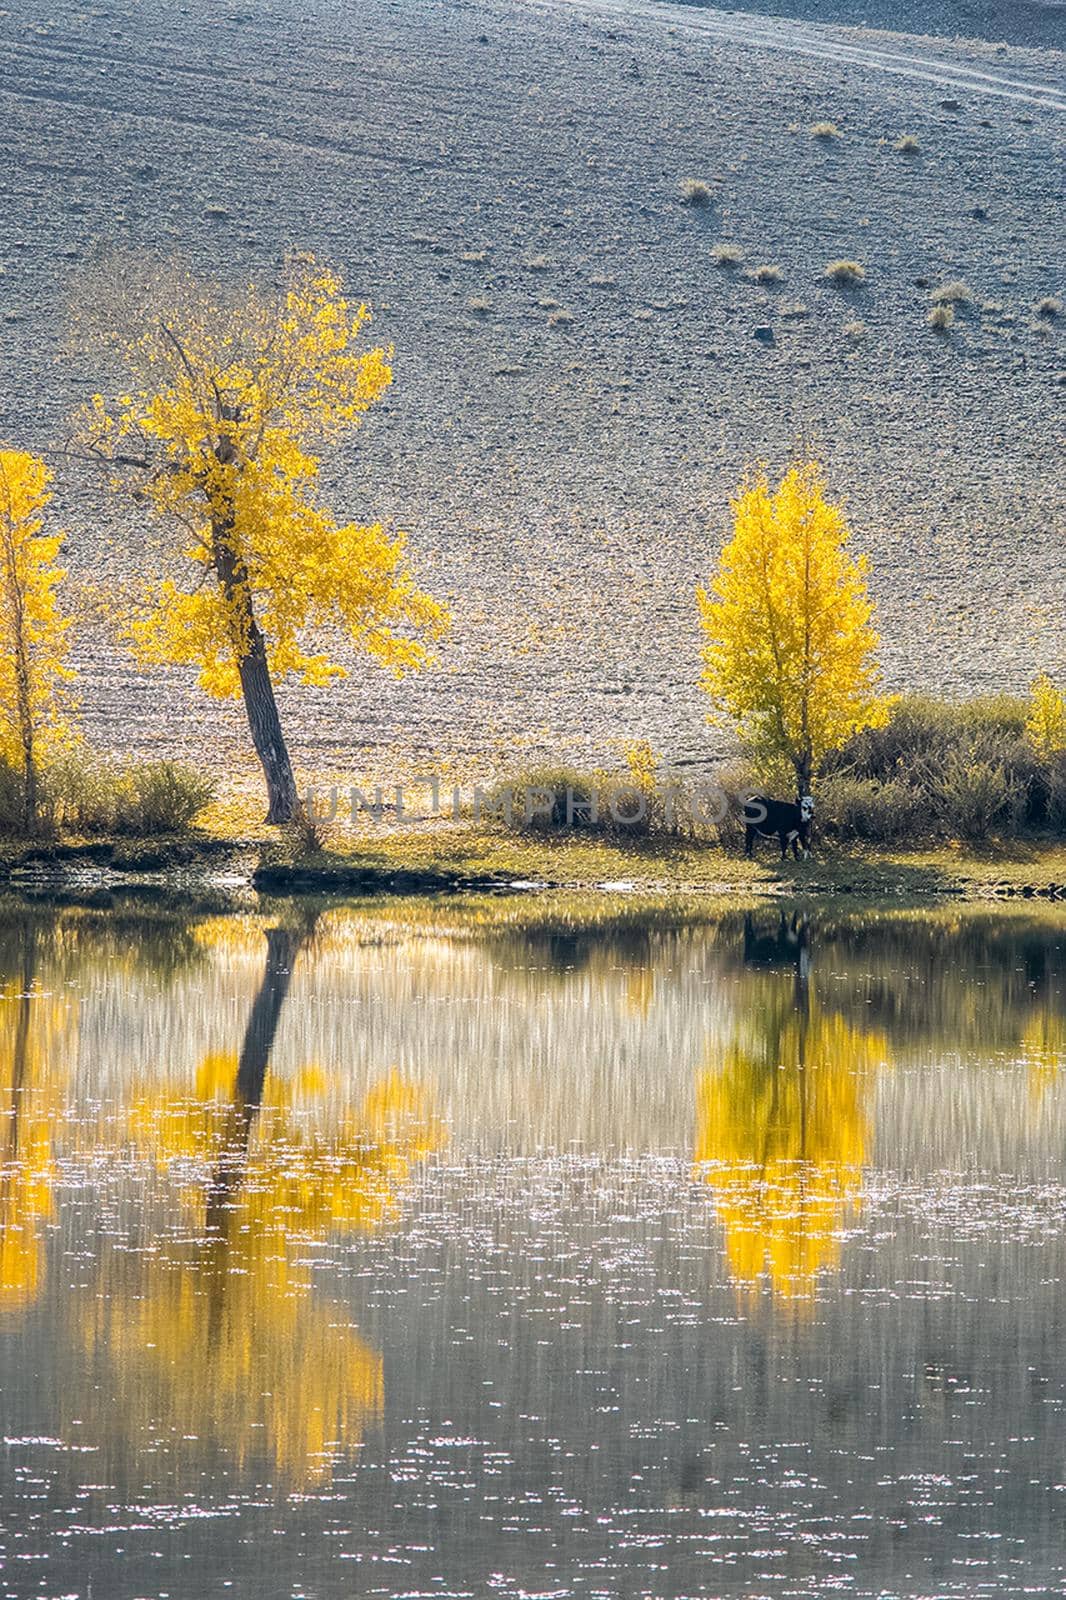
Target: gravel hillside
x=579, y=383
x=1040, y=23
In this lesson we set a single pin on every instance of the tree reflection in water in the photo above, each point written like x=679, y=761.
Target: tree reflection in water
x=781, y=1122
x=223, y=1338
x=33, y=1046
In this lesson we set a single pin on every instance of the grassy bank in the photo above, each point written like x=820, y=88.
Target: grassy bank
x=460, y=856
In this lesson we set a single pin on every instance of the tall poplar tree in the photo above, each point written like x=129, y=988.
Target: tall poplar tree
x=230, y=400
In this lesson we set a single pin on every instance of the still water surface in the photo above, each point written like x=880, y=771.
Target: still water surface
x=531, y=1248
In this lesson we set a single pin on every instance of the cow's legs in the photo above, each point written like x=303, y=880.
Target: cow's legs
x=749, y=841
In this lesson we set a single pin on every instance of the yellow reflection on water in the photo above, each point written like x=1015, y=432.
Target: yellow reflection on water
x=35, y=1048
x=781, y=1136
x=224, y=1341
x=1043, y=1048
x=222, y=1336
x=219, y=1334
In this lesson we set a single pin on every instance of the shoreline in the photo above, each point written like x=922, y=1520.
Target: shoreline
x=479, y=861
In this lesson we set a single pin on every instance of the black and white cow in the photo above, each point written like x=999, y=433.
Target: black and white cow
x=783, y=820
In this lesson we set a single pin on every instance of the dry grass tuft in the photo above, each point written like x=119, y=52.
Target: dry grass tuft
x=908, y=145
x=694, y=192
x=560, y=319
x=475, y=257
x=955, y=293
x=600, y=280
x=825, y=130
x=766, y=274
x=855, y=330
x=479, y=305
x=536, y=263
x=727, y=255
x=941, y=317
x=845, y=272
x=1050, y=306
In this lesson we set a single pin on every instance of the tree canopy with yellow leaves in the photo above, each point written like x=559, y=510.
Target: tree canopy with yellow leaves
x=33, y=631
x=790, y=651
x=230, y=401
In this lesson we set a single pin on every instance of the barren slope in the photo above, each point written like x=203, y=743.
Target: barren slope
x=567, y=480
x=1040, y=23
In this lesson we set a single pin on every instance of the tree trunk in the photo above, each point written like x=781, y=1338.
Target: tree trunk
x=16, y=609
x=265, y=725
x=31, y=794
x=803, y=764
x=258, y=691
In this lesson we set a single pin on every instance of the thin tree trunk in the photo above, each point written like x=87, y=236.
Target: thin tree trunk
x=256, y=687
x=265, y=725
x=29, y=763
x=16, y=608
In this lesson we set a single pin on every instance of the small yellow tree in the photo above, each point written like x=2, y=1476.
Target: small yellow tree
x=1046, y=722
x=229, y=402
x=33, y=633
x=790, y=646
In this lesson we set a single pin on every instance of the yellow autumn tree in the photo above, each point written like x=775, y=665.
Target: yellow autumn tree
x=33, y=631
x=1046, y=722
x=230, y=400
x=790, y=649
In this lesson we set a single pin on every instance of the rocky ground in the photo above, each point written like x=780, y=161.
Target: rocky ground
x=1041, y=23
x=578, y=384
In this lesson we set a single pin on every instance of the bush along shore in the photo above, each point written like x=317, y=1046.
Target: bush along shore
x=944, y=798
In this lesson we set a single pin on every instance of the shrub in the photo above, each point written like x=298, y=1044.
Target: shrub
x=643, y=767
x=968, y=766
x=855, y=330
x=735, y=780
x=307, y=833
x=955, y=293
x=727, y=255
x=548, y=798
x=166, y=795
x=479, y=305
x=628, y=805
x=908, y=145
x=84, y=795
x=825, y=130
x=12, y=800
x=1055, y=793
x=941, y=318
x=1049, y=306
x=560, y=319
x=1045, y=722
x=922, y=731
x=972, y=796
x=845, y=272
x=851, y=807
x=767, y=274
x=694, y=192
